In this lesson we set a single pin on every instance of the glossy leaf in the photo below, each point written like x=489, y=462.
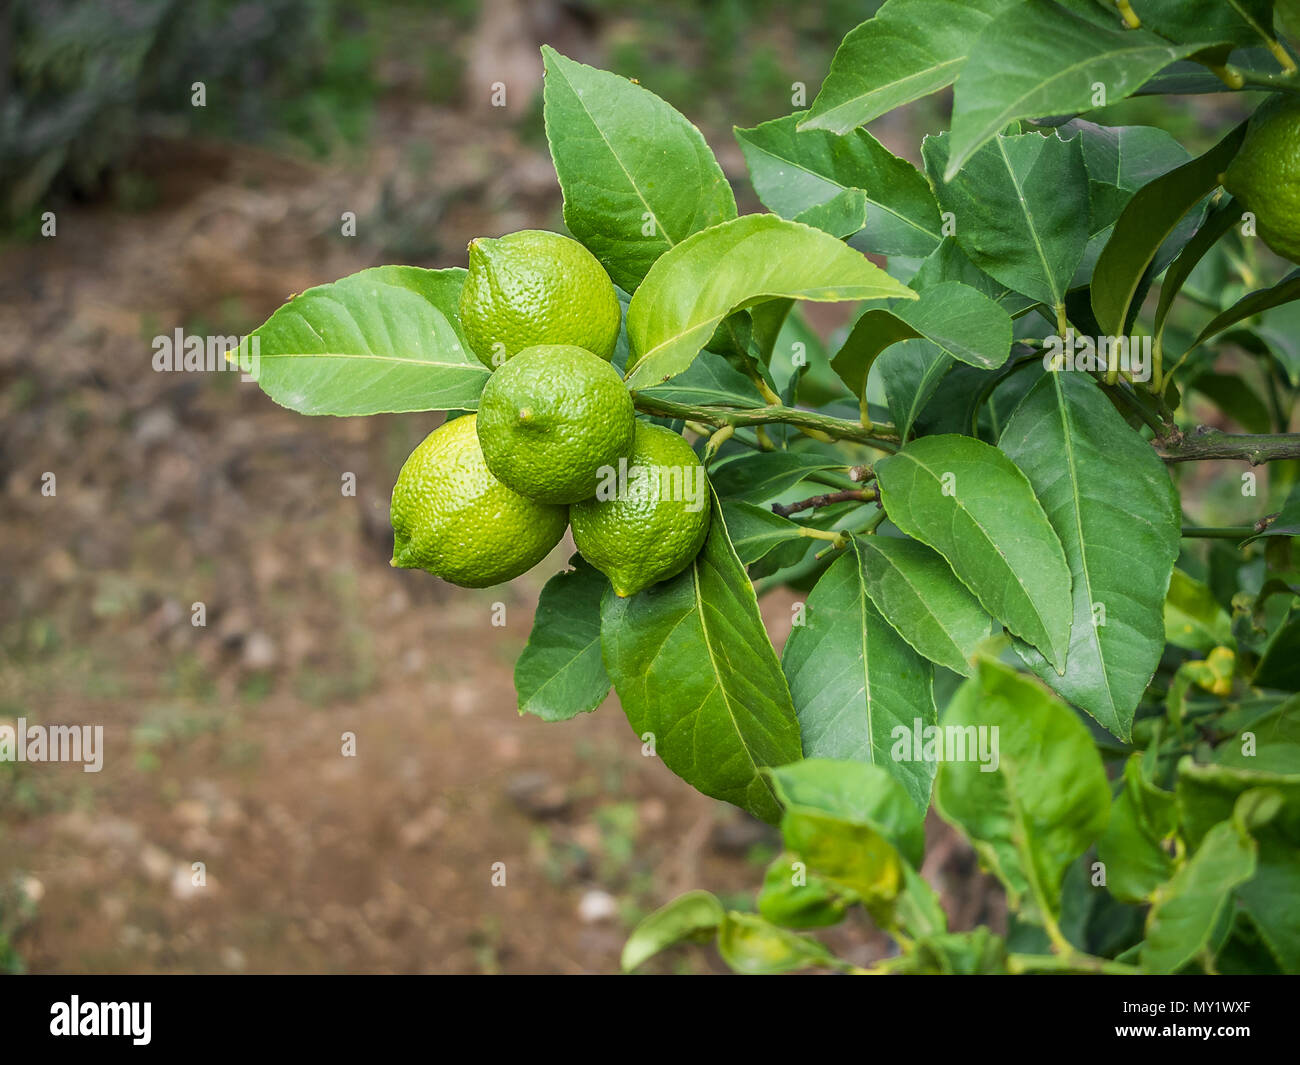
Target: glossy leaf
x=1046, y=802
x=917, y=592
x=1111, y=502
x=383, y=340
x=1285, y=291
x=1016, y=204
x=693, y=287
x=795, y=172
x=559, y=674
x=852, y=856
x=970, y=503
x=629, y=164
x=761, y=476
x=910, y=49
x=695, y=916
x=1039, y=58
x=756, y=531
x=694, y=668
x=1145, y=224
x=855, y=682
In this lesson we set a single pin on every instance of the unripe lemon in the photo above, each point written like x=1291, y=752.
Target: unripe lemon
x=551, y=419
x=535, y=287
x=652, y=523
x=452, y=518
x=1265, y=175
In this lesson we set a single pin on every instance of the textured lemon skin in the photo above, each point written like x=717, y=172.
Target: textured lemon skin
x=535, y=287
x=452, y=518
x=551, y=419
x=644, y=535
x=1265, y=175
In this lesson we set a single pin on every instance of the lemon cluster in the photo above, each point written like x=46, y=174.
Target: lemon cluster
x=555, y=441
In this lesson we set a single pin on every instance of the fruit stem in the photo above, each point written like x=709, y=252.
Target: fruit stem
x=717, y=440
x=882, y=437
x=1130, y=16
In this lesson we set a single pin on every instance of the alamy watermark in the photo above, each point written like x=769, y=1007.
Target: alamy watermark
x=656, y=483
x=53, y=743
x=179, y=353
x=946, y=743
x=1132, y=354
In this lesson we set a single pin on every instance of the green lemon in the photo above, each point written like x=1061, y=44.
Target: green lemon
x=552, y=419
x=647, y=524
x=452, y=518
x=534, y=287
x=1265, y=175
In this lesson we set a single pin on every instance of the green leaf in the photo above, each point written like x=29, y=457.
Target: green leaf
x=910, y=49
x=1205, y=22
x=1193, y=617
x=916, y=591
x=1189, y=910
x=1272, y=743
x=855, y=682
x=851, y=856
x=1285, y=291
x=796, y=172
x=972, y=504
x=1151, y=216
x=559, y=674
x=1117, y=514
x=1016, y=204
x=1209, y=794
x=1221, y=219
x=756, y=531
x=1132, y=848
x=385, y=340
x=695, y=916
x=840, y=216
x=694, y=668
x=911, y=373
x=794, y=898
x=1287, y=522
x=1038, y=58
x=711, y=381
x=962, y=322
x=760, y=476
x=629, y=166
x=1046, y=802
x=754, y=947
x=858, y=793
x=1235, y=399
x=737, y=264
x=978, y=952
x=949, y=263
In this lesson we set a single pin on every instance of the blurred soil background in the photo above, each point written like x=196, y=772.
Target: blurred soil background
x=223, y=741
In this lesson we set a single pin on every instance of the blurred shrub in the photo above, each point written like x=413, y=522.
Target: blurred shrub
x=80, y=78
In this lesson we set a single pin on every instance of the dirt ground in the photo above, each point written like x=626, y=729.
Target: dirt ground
x=224, y=742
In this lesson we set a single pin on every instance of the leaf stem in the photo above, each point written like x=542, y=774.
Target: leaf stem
x=881, y=437
x=1073, y=962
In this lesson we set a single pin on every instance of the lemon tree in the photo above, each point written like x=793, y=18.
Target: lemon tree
x=1033, y=506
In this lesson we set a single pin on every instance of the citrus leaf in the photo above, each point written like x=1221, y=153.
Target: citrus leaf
x=1038, y=58
x=693, y=287
x=1285, y=291
x=753, y=946
x=762, y=476
x=637, y=177
x=559, y=674
x=911, y=372
x=1142, y=818
x=695, y=670
x=384, y=340
x=711, y=381
x=695, y=916
x=859, y=793
x=794, y=898
x=1193, y=617
x=854, y=680
x=794, y=172
x=910, y=49
x=962, y=322
x=917, y=592
x=1016, y=205
x=1145, y=224
x=1190, y=908
x=1048, y=798
x=840, y=216
x=1111, y=502
x=756, y=531
x=972, y=504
